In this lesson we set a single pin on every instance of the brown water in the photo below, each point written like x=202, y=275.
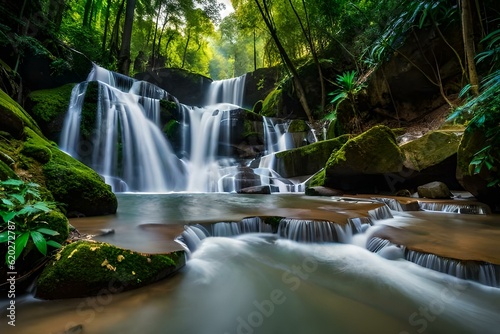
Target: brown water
x=260, y=284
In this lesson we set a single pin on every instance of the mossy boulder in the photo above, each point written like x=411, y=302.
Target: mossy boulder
x=361, y=163
x=49, y=106
x=298, y=125
x=14, y=118
x=57, y=221
x=5, y=171
x=430, y=149
x=88, y=268
x=309, y=159
x=79, y=187
x=32, y=157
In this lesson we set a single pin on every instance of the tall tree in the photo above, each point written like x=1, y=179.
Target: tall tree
x=299, y=88
x=468, y=37
x=124, y=57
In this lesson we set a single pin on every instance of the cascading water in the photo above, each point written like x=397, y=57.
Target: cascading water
x=226, y=91
x=122, y=139
x=128, y=148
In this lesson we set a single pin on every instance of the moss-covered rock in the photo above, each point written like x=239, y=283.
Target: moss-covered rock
x=309, y=159
x=87, y=268
x=57, y=221
x=430, y=149
x=14, y=118
x=372, y=152
x=48, y=107
x=31, y=156
x=78, y=186
x=360, y=165
x=298, y=125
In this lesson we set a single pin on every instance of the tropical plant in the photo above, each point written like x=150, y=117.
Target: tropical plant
x=348, y=89
x=485, y=112
x=21, y=208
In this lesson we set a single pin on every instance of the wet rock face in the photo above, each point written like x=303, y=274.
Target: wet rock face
x=189, y=88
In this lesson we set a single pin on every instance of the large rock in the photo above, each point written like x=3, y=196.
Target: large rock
x=87, y=268
x=307, y=160
x=189, y=88
x=49, y=107
x=430, y=149
x=477, y=183
x=64, y=179
x=362, y=163
x=434, y=190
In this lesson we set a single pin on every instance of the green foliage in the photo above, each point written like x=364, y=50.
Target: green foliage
x=485, y=112
x=492, y=52
x=20, y=210
x=414, y=14
x=348, y=89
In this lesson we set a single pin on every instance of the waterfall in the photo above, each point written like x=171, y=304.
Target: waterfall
x=128, y=148
x=119, y=127
x=226, y=91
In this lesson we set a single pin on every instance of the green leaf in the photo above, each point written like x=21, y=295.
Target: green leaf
x=12, y=182
x=54, y=244
x=8, y=216
x=7, y=202
x=47, y=231
x=39, y=241
x=21, y=242
x=28, y=210
x=4, y=236
x=19, y=198
x=42, y=206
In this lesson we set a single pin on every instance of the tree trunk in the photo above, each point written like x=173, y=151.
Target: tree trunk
x=306, y=30
x=254, y=50
x=56, y=12
x=468, y=36
x=106, y=26
x=115, y=34
x=124, y=58
x=266, y=16
x=86, y=13
x=185, y=48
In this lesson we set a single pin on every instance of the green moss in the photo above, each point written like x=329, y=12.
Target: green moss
x=318, y=179
x=6, y=172
x=430, y=149
x=372, y=152
x=47, y=104
x=298, y=125
x=78, y=186
x=271, y=104
x=39, y=153
x=86, y=268
x=15, y=118
x=58, y=222
x=274, y=221
x=307, y=160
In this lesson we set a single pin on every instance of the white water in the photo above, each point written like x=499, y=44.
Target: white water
x=260, y=283
x=130, y=151
x=226, y=91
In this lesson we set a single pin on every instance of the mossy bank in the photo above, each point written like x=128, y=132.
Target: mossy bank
x=87, y=268
x=28, y=155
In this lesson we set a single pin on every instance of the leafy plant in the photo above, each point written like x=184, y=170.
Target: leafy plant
x=348, y=88
x=21, y=207
x=484, y=114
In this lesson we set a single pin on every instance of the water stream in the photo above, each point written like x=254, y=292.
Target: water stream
x=125, y=140
x=263, y=283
